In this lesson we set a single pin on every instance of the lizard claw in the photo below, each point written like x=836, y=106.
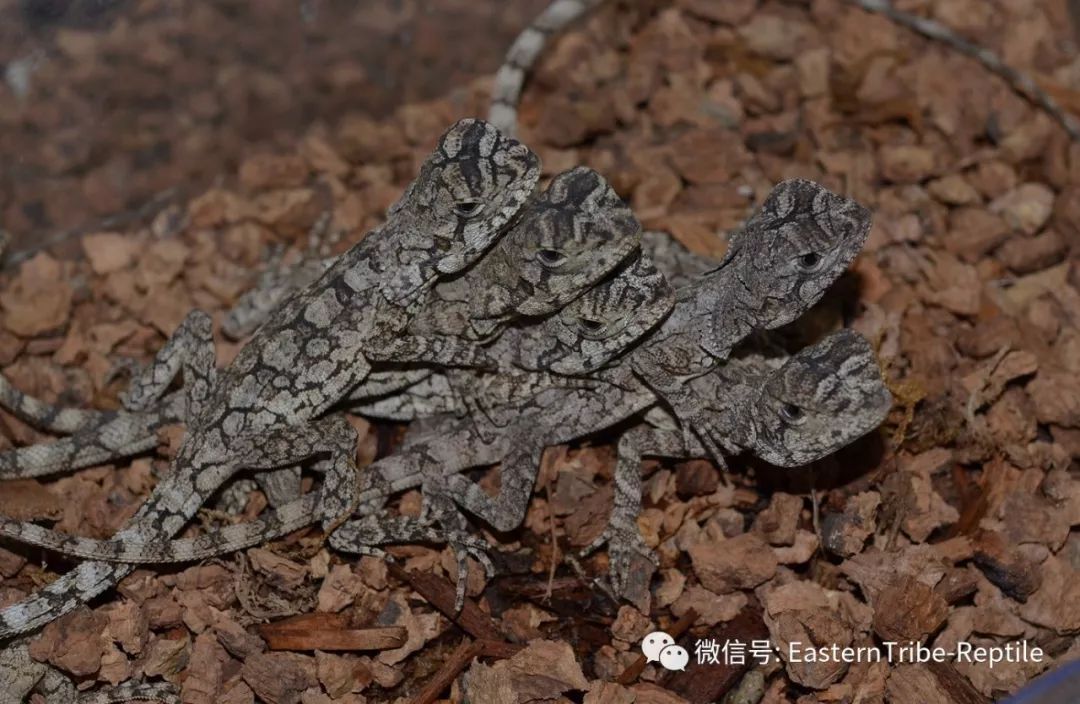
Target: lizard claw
x=624, y=546
x=464, y=547
x=712, y=449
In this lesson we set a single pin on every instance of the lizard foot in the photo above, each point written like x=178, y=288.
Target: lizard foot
x=625, y=548
x=464, y=547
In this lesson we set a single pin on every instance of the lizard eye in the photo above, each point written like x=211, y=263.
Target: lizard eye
x=550, y=258
x=792, y=413
x=811, y=261
x=590, y=326
x=468, y=208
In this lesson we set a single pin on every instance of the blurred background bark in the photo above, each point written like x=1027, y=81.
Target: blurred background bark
x=106, y=105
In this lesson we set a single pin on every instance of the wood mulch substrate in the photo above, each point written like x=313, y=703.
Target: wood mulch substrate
x=953, y=523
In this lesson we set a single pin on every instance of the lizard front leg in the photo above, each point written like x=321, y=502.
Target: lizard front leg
x=191, y=349
x=674, y=390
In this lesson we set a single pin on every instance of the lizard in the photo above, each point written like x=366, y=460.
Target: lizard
x=763, y=250
x=265, y=409
x=800, y=240
x=585, y=335
x=574, y=234
x=789, y=414
x=528, y=45
x=776, y=267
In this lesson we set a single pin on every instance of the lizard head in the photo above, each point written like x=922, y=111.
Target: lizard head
x=821, y=399
x=608, y=318
x=575, y=233
x=468, y=191
x=791, y=250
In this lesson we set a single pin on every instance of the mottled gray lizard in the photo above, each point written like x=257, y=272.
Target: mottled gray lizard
x=574, y=234
x=263, y=410
x=765, y=276
x=585, y=335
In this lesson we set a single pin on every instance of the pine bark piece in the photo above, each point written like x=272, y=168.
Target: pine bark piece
x=322, y=631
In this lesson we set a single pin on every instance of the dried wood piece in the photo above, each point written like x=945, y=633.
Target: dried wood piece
x=908, y=610
x=440, y=594
x=279, y=678
x=458, y=661
x=319, y=631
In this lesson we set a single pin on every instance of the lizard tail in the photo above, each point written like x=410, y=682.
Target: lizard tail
x=61, y=596
x=173, y=501
x=523, y=53
x=118, y=435
x=275, y=524
x=138, y=692
x=45, y=416
x=1020, y=82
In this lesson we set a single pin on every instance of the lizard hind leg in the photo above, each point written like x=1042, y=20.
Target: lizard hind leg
x=282, y=448
x=363, y=536
x=505, y=511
